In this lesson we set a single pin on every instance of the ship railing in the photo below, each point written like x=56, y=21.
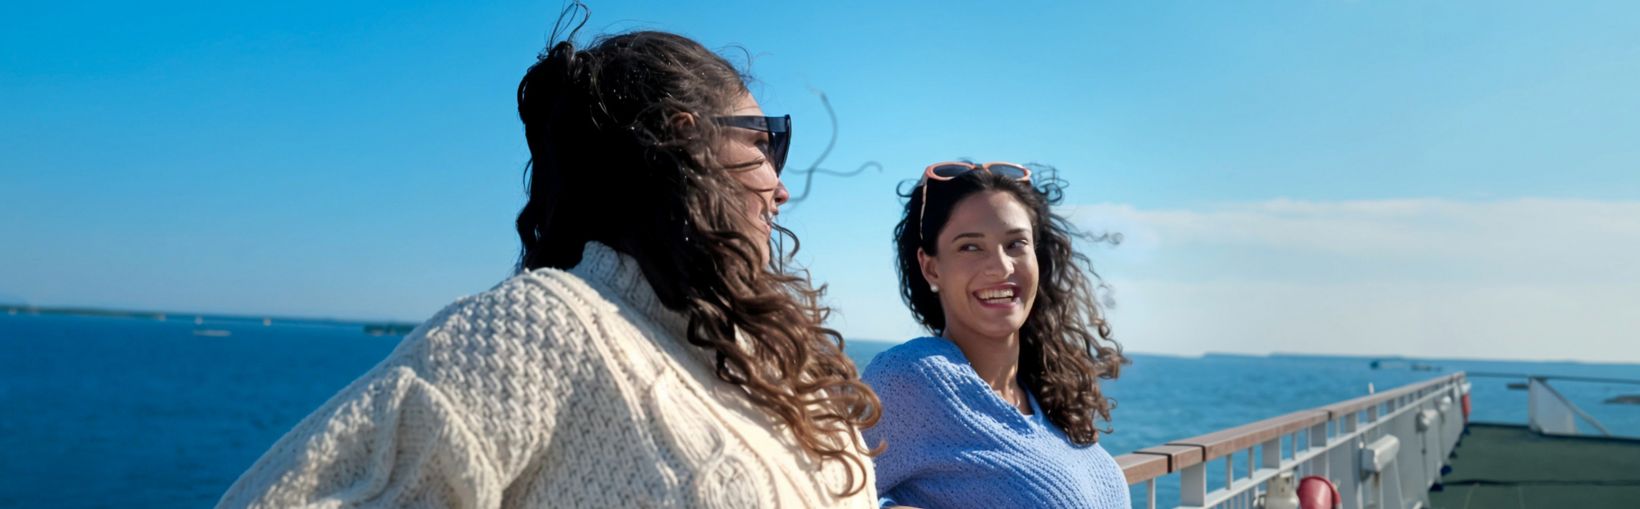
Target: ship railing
x=1381, y=450
x=1550, y=413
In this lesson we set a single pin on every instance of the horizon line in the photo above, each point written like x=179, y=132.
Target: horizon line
x=107, y=312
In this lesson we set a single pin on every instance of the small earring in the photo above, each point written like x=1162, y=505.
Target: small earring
x=934, y=287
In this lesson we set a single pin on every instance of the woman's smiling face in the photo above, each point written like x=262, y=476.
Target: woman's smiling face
x=986, y=268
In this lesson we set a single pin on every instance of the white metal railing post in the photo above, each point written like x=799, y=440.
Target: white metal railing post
x=1547, y=413
x=1193, y=485
x=1342, y=466
x=1150, y=493
x=1270, y=456
x=1550, y=412
x=1318, y=439
x=1378, y=460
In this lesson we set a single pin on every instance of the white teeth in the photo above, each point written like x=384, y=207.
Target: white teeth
x=996, y=294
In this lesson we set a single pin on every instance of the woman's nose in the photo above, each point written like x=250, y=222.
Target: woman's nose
x=999, y=264
x=781, y=195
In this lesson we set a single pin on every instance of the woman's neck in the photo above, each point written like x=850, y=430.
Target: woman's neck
x=996, y=360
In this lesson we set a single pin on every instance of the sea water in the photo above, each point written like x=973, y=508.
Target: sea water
x=134, y=412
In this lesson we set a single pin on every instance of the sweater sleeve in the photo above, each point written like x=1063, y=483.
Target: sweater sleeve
x=458, y=411
x=909, y=421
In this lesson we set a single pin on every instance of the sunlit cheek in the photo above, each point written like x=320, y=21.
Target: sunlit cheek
x=956, y=278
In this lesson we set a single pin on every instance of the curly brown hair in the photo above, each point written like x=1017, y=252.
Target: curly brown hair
x=602, y=119
x=1065, y=345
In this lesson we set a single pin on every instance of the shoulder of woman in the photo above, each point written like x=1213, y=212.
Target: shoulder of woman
x=923, y=366
x=542, y=314
x=920, y=386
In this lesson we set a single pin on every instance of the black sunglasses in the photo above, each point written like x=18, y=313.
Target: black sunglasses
x=779, y=129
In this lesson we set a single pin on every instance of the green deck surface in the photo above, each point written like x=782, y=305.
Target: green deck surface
x=1500, y=466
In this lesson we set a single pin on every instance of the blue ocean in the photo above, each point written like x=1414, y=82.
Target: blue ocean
x=131, y=412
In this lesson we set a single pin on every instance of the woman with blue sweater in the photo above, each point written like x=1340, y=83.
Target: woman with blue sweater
x=997, y=408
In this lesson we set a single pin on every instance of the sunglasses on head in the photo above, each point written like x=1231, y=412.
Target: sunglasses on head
x=779, y=129
x=950, y=170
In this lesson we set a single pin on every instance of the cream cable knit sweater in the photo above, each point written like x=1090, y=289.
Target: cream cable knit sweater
x=553, y=389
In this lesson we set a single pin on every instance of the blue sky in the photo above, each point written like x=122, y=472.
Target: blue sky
x=1452, y=178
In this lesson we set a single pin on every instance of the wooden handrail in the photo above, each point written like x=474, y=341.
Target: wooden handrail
x=1351, y=406
x=1152, y=462
x=1141, y=467
x=1224, y=442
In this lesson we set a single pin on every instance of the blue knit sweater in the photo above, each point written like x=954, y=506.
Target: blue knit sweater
x=952, y=442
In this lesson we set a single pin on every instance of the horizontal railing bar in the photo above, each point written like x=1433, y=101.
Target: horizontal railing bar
x=1177, y=456
x=1236, y=488
x=1361, y=403
x=1141, y=467
x=1559, y=377
x=1219, y=443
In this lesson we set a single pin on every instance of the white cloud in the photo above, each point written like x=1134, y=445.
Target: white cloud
x=1528, y=278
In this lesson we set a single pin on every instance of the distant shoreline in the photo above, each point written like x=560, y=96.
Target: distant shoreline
x=398, y=328
x=377, y=328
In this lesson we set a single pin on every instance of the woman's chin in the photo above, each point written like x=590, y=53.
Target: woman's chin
x=999, y=329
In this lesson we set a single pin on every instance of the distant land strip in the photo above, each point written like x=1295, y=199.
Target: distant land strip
x=368, y=327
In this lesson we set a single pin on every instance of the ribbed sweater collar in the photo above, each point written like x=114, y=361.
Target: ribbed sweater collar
x=619, y=274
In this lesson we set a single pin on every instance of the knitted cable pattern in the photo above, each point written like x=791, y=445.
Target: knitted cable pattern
x=553, y=389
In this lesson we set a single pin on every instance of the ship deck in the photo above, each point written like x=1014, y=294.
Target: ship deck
x=1508, y=466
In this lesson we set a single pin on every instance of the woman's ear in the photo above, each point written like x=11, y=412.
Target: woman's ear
x=930, y=270
x=687, y=126
x=682, y=122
